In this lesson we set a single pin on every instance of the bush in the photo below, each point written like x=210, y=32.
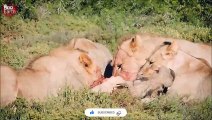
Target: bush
x=11, y=56
x=195, y=12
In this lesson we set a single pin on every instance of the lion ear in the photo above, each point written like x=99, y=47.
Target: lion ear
x=85, y=60
x=134, y=43
x=171, y=50
x=173, y=47
x=72, y=43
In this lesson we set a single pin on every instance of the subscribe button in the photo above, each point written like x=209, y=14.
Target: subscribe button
x=105, y=112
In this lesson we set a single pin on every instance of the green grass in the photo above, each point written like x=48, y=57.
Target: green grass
x=71, y=105
x=32, y=38
x=38, y=33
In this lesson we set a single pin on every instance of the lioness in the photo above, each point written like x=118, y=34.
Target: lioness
x=134, y=50
x=193, y=76
x=46, y=75
x=8, y=85
x=99, y=54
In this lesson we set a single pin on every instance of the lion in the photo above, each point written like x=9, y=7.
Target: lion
x=134, y=50
x=8, y=85
x=47, y=75
x=153, y=83
x=192, y=75
x=97, y=52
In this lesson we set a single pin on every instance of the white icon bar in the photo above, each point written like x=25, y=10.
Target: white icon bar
x=105, y=112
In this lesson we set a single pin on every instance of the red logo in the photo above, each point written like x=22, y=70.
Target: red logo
x=9, y=10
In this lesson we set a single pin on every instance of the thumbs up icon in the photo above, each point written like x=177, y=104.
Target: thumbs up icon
x=92, y=112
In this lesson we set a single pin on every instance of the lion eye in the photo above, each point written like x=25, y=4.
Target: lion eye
x=168, y=53
x=157, y=71
x=150, y=62
x=86, y=65
x=119, y=66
